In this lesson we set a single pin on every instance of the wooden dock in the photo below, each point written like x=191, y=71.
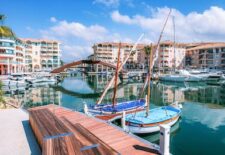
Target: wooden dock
x=63, y=131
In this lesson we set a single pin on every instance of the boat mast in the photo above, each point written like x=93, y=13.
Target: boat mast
x=133, y=50
x=174, y=42
x=155, y=52
x=149, y=80
x=116, y=76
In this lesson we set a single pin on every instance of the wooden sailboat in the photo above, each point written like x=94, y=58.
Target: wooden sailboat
x=115, y=108
x=148, y=121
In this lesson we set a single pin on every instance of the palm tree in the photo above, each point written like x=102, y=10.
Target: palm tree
x=2, y=18
x=1, y=93
x=5, y=31
x=147, y=50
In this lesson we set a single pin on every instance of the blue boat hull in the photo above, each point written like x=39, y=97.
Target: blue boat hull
x=118, y=108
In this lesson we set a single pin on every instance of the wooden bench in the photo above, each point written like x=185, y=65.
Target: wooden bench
x=89, y=139
x=46, y=125
x=55, y=138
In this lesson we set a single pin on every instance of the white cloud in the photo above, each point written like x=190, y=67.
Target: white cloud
x=205, y=26
x=107, y=2
x=28, y=28
x=53, y=19
x=212, y=118
x=76, y=51
x=77, y=39
x=75, y=29
x=117, y=17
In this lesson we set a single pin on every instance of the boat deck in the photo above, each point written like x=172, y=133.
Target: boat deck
x=77, y=133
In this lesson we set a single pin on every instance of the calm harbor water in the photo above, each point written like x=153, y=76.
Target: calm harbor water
x=201, y=129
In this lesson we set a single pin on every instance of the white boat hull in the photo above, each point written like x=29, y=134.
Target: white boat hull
x=145, y=130
x=44, y=80
x=13, y=83
x=172, y=78
x=193, y=79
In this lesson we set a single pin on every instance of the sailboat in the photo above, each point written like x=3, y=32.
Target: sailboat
x=149, y=121
x=115, y=108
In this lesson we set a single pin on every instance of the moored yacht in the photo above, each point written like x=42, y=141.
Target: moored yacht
x=44, y=80
x=173, y=77
x=12, y=82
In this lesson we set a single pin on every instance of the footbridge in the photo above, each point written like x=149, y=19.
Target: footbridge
x=90, y=65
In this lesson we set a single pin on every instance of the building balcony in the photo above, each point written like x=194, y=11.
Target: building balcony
x=6, y=55
x=3, y=61
x=19, y=56
x=28, y=61
x=21, y=52
x=6, y=62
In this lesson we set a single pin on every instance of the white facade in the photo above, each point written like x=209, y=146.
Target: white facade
x=11, y=56
x=171, y=56
x=108, y=52
x=28, y=55
x=42, y=54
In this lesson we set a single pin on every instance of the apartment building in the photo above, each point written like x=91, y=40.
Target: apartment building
x=12, y=53
x=108, y=52
x=168, y=54
x=27, y=55
x=41, y=54
x=207, y=55
x=171, y=56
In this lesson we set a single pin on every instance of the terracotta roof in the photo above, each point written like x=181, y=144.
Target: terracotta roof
x=168, y=42
x=208, y=45
x=122, y=44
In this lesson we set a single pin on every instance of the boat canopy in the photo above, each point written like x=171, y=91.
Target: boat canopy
x=122, y=106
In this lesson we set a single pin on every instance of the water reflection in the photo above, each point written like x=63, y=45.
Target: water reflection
x=35, y=96
x=203, y=116
x=90, y=88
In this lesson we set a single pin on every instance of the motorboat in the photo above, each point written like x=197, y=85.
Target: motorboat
x=44, y=80
x=173, y=78
x=27, y=77
x=12, y=82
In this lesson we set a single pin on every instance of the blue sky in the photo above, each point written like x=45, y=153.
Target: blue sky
x=78, y=24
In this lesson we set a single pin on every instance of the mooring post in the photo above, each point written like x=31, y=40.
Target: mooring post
x=85, y=108
x=146, y=100
x=123, y=121
x=164, y=140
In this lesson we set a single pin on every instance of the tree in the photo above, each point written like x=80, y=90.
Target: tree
x=5, y=31
x=1, y=93
x=2, y=18
x=147, y=50
x=62, y=62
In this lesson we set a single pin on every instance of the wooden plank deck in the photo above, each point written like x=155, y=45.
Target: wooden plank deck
x=108, y=135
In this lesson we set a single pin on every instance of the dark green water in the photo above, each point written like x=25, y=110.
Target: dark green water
x=200, y=131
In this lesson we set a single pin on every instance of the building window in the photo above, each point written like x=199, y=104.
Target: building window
x=217, y=50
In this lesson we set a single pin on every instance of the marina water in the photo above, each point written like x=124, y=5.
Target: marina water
x=201, y=129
